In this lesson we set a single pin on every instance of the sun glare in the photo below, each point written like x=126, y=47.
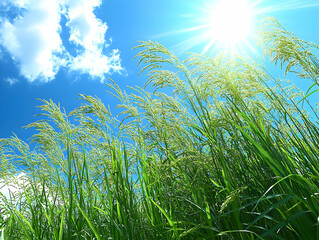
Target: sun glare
x=230, y=22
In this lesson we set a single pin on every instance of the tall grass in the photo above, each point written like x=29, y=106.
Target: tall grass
x=231, y=154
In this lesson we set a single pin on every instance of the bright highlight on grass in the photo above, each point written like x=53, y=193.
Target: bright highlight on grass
x=230, y=22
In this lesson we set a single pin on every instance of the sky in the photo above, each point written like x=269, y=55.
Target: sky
x=57, y=49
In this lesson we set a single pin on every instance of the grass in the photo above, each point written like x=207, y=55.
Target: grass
x=232, y=154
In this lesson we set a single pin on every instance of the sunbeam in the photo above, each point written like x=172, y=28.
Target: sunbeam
x=229, y=24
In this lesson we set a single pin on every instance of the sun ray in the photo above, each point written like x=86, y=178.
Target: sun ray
x=188, y=44
x=230, y=24
x=191, y=29
x=208, y=46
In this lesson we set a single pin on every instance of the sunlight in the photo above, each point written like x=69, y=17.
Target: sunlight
x=221, y=24
x=230, y=22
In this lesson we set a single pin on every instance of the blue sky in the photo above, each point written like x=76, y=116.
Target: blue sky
x=56, y=49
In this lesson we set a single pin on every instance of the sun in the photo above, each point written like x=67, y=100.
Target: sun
x=226, y=24
x=229, y=23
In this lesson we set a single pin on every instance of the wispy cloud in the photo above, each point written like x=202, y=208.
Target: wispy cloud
x=11, y=80
x=33, y=38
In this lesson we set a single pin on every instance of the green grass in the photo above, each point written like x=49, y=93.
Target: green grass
x=231, y=154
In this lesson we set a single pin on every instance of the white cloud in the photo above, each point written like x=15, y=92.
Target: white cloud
x=34, y=42
x=11, y=190
x=13, y=186
x=11, y=81
x=16, y=3
x=86, y=29
x=97, y=64
x=88, y=32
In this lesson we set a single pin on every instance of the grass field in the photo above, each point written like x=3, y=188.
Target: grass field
x=231, y=154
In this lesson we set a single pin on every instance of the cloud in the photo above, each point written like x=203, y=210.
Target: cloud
x=33, y=38
x=13, y=185
x=88, y=33
x=13, y=189
x=11, y=81
x=17, y=3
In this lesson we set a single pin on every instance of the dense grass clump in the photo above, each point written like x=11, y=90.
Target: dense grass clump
x=232, y=153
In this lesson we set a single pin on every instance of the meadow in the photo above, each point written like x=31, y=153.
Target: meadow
x=218, y=149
